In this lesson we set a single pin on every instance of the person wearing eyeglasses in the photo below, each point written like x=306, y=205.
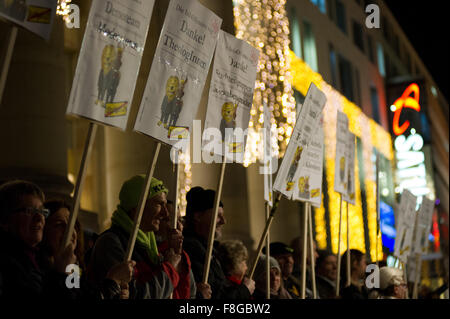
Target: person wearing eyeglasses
x=22, y=221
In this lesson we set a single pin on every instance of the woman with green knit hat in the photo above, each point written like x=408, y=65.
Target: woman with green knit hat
x=154, y=275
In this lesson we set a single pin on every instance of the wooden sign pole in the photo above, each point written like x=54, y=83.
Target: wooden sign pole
x=212, y=228
x=349, y=272
x=142, y=201
x=7, y=59
x=264, y=234
x=267, y=254
x=338, y=278
x=79, y=184
x=304, y=249
x=311, y=249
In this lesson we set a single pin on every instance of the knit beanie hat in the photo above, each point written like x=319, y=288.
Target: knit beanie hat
x=131, y=191
x=260, y=269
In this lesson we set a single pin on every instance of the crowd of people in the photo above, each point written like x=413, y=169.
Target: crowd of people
x=166, y=262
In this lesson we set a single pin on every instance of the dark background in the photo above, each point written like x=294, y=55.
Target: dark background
x=427, y=25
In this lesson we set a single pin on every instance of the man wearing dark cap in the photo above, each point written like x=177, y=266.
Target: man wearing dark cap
x=284, y=256
x=199, y=212
x=155, y=275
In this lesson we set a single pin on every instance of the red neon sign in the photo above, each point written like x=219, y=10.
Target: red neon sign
x=405, y=101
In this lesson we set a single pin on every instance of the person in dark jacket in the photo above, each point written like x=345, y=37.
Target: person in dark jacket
x=233, y=257
x=114, y=286
x=22, y=220
x=199, y=211
x=155, y=275
x=357, y=288
x=326, y=270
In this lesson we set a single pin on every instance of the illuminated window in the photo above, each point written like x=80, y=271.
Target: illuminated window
x=340, y=16
x=380, y=57
x=309, y=45
x=296, y=38
x=320, y=4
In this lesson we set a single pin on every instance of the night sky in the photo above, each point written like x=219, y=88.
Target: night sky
x=427, y=25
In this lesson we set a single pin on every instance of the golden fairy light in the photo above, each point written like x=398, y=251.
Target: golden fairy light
x=264, y=24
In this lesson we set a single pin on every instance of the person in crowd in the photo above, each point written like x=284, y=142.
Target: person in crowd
x=199, y=212
x=233, y=256
x=284, y=256
x=186, y=286
x=114, y=286
x=392, y=284
x=155, y=275
x=297, y=246
x=22, y=221
x=357, y=288
x=326, y=273
x=277, y=291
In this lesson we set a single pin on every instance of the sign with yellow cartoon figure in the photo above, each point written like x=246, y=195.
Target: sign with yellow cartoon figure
x=305, y=128
x=341, y=167
x=178, y=73
x=404, y=224
x=230, y=97
x=109, y=61
x=350, y=197
x=309, y=186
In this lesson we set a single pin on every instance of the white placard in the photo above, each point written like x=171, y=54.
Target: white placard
x=230, y=97
x=350, y=196
x=309, y=185
x=178, y=72
x=304, y=128
x=267, y=157
x=34, y=15
x=109, y=61
x=405, y=229
x=423, y=227
x=340, y=163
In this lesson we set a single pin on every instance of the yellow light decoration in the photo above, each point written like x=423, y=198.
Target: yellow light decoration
x=264, y=24
x=371, y=134
x=279, y=70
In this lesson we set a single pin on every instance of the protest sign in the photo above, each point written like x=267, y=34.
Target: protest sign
x=349, y=196
x=309, y=185
x=230, y=97
x=109, y=61
x=178, y=72
x=268, y=159
x=340, y=163
x=423, y=226
x=34, y=15
x=405, y=226
x=301, y=136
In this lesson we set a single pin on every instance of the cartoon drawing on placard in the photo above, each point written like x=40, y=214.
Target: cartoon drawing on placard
x=342, y=168
x=293, y=167
x=16, y=9
x=176, y=109
x=108, y=81
x=169, y=102
x=303, y=187
x=350, y=187
x=228, y=117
